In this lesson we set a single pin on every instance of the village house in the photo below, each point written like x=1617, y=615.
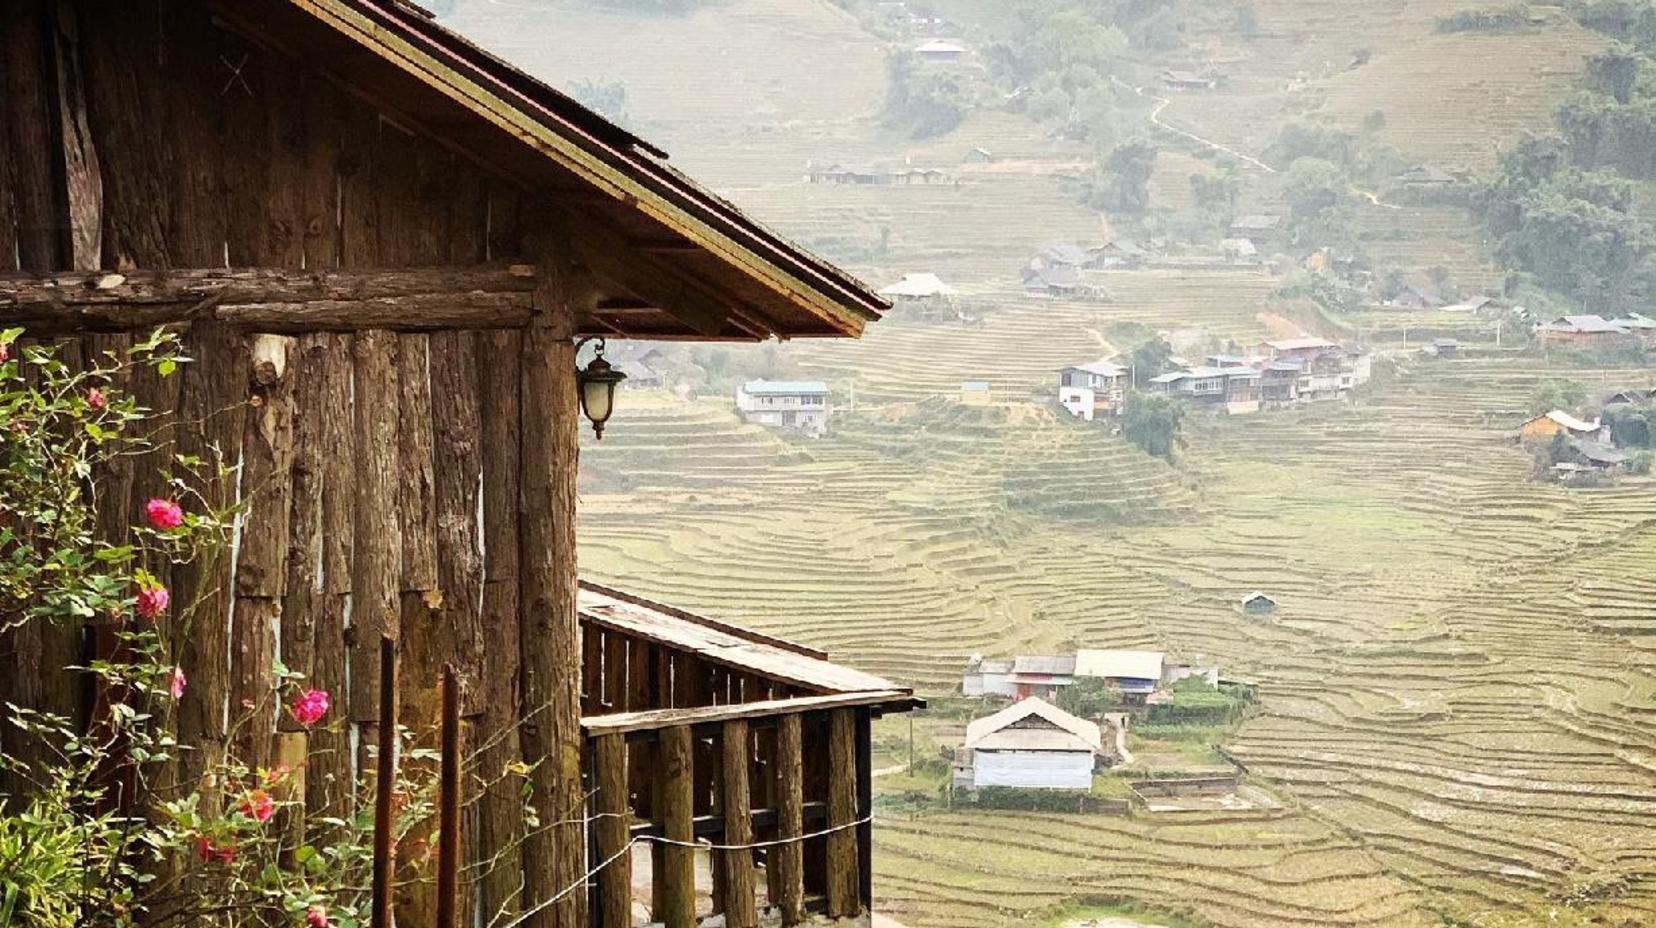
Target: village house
x=1257, y=603
x=899, y=176
x=939, y=51
x=1174, y=79
x=1258, y=228
x=987, y=677
x=1557, y=422
x=1093, y=389
x=794, y=405
x=975, y=393
x=1424, y=177
x=391, y=258
x=1030, y=744
x=1633, y=396
x=1118, y=253
x=1040, y=675
x=1588, y=331
x=1597, y=455
x=1235, y=389
x=1238, y=249
x=1417, y=296
x=919, y=286
x=978, y=156
x=1136, y=674
x=642, y=363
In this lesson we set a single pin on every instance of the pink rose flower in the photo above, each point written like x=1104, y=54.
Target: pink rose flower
x=209, y=852
x=311, y=705
x=95, y=398
x=316, y=917
x=177, y=683
x=5, y=353
x=258, y=806
x=164, y=514
x=153, y=600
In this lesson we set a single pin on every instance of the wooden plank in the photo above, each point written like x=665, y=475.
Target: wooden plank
x=709, y=715
x=261, y=568
x=614, y=902
x=82, y=179
x=449, y=800
x=787, y=860
x=844, y=882
x=301, y=593
x=329, y=786
x=615, y=671
x=420, y=634
x=674, y=901
x=456, y=430
x=383, y=901
x=549, y=636
x=213, y=388
x=501, y=814
x=31, y=116
x=740, y=909
x=376, y=534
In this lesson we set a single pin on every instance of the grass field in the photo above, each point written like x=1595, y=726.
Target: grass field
x=1459, y=687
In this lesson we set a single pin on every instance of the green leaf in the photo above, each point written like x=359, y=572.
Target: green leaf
x=166, y=367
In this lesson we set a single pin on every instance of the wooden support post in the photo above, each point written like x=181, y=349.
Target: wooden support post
x=385, y=788
x=738, y=820
x=844, y=891
x=377, y=538
x=788, y=859
x=548, y=629
x=448, y=805
x=502, y=812
x=614, y=900
x=674, y=903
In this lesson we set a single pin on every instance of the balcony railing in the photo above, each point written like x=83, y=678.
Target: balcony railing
x=706, y=742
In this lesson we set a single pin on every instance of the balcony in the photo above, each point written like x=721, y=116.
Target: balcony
x=728, y=772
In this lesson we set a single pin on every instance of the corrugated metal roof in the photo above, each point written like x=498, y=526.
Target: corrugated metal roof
x=1571, y=422
x=918, y=285
x=1079, y=731
x=720, y=643
x=1101, y=368
x=1119, y=665
x=785, y=388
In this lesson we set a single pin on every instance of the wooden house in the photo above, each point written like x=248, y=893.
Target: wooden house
x=381, y=245
x=1584, y=331
x=1093, y=389
x=1030, y=744
x=1259, y=228
x=976, y=393
x=1558, y=422
x=987, y=677
x=940, y=51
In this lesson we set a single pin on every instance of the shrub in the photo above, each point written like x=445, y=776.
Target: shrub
x=1152, y=422
x=1497, y=20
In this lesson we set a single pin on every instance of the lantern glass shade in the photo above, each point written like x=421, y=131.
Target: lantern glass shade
x=598, y=383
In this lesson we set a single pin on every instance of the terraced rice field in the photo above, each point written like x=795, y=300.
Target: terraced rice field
x=1458, y=688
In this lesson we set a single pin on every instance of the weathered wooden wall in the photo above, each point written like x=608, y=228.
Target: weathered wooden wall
x=366, y=459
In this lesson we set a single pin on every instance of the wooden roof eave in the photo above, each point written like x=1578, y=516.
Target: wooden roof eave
x=586, y=162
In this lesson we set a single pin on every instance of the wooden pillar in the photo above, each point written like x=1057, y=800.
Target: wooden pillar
x=261, y=570
x=674, y=902
x=330, y=786
x=844, y=889
x=501, y=813
x=614, y=900
x=787, y=860
x=549, y=637
x=738, y=818
x=377, y=537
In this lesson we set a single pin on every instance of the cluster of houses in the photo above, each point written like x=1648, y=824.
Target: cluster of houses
x=1593, y=332
x=1280, y=372
x=789, y=405
x=1033, y=744
x=888, y=175
x=1587, y=446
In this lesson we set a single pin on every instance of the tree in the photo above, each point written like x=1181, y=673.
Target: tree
x=926, y=101
x=1557, y=394
x=1152, y=422
x=1216, y=193
x=1631, y=426
x=1318, y=201
x=1613, y=72
x=1089, y=698
x=1151, y=357
x=1130, y=166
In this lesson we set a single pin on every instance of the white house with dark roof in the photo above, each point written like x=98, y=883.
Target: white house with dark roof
x=1030, y=744
x=1092, y=389
x=796, y=405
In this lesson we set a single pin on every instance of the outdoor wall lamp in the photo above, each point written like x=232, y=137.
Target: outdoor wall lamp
x=598, y=381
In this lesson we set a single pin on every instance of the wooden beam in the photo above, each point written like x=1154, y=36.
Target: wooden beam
x=271, y=299
x=788, y=859
x=549, y=636
x=614, y=902
x=708, y=715
x=844, y=876
x=740, y=911
x=675, y=883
